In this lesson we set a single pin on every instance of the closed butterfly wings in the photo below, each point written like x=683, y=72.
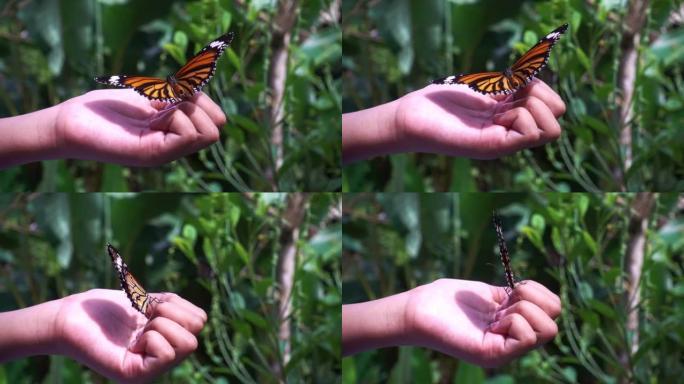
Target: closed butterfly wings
x=503, y=251
x=515, y=77
x=138, y=296
x=184, y=83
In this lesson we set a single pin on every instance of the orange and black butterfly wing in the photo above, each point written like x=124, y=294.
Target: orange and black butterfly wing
x=483, y=82
x=514, y=78
x=135, y=292
x=183, y=84
x=535, y=59
x=201, y=68
x=152, y=88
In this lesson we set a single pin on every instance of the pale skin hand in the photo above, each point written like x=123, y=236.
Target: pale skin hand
x=112, y=125
x=469, y=320
x=454, y=120
x=101, y=329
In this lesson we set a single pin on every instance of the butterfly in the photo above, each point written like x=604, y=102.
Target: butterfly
x=138, y=296
x=514, y=77
x=503, y=251
x=181, y=85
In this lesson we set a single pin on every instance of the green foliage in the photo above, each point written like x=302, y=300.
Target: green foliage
x=50, y=51
x=219, y=251
x=398, y=46
x=574, y=244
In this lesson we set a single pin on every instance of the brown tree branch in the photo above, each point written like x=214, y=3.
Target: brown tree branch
x=283, y=23
x=641, y=210
x=631, y=35
x=293, y=217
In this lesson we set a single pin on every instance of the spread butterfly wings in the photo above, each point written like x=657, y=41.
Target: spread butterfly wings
x=135, y=292
x=515, y=77
x=184, y=83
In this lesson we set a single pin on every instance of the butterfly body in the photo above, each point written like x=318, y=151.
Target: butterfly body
x=135, y=292
x=514, y=77
x=503, y=251
x=181, y=85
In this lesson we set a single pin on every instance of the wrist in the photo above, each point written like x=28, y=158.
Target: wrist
x=53, y=142
x=374, y=324
x=370, y=132
x=29, y=331
x=29, y=137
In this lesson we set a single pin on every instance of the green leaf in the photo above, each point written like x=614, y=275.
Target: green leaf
x=190, y=233
x=113, y=179
x=177, y=52
x=185, y=247
x=242, y=253
x=181, y=40
x=246, y=123
x=589, y=241
x=583, y=59
x=469, y=373
x=538, y=222
x=603, y=309
x=556, y=239
x=254, y=318
x=234, y=215
x=583, y=204
x=534, y=236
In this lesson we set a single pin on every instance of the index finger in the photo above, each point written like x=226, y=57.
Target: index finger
x=209, y=107
x=542, y=91
x=183, y=312
x=538, y=294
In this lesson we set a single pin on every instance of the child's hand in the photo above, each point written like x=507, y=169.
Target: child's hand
x=103, y=331
x=481, y=323
x=455, y=120
x=470, y=320
x=120, y=126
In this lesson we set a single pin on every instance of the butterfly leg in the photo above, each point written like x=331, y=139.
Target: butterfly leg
x=161, y=115
x=170, y=107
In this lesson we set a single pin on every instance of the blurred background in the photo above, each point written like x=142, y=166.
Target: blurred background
x=613, y=52
x=265, y=268
x=51, y=50
x=615, y=260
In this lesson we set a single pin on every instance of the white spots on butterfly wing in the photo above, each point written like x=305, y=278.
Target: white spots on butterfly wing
x=553, y=36
x=217, y=44
x=556, y=34
x=116, y=80
x=446, y=80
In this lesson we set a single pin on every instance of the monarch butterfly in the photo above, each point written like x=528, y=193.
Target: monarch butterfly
x=503, y=251
x=138, y=296
x=181, y=85
x=514, y=77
